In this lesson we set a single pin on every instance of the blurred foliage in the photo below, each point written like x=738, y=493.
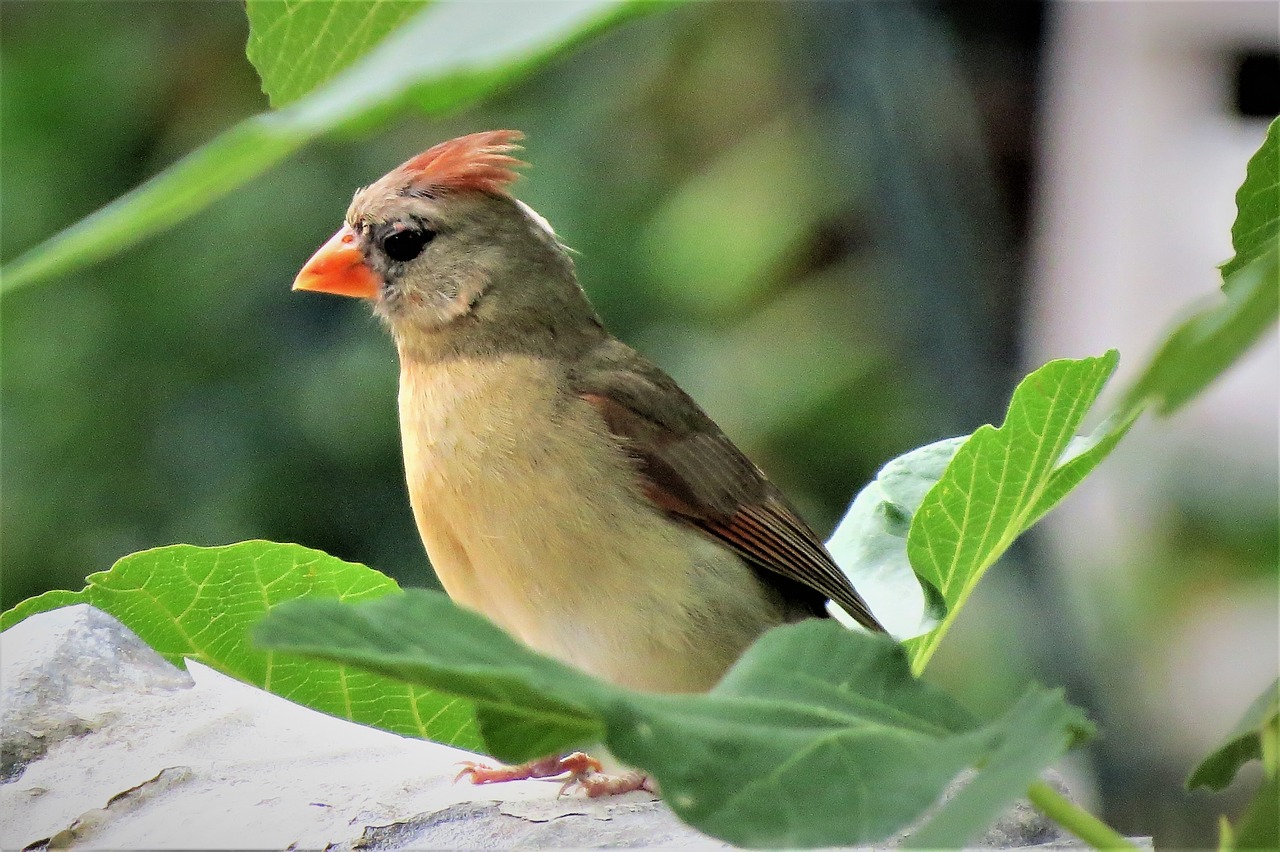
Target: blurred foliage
x=1258, y=203
x=472, y=53
x=1255, y=737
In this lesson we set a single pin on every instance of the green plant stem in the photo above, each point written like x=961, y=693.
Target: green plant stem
x=1074, y=819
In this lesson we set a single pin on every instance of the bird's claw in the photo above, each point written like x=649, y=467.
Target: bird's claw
x=583, y=770
x=577, y=764
x=596, y=784
x=473, y=769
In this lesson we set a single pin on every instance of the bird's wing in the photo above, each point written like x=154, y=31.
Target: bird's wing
x=690, y=469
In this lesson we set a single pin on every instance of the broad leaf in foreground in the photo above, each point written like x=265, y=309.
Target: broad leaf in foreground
x=199, y=602
x=818, y=736
x=449, y=54
x=996, y=485
x=1022, y=752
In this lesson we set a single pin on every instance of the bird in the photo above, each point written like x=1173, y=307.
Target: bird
x=563, y=485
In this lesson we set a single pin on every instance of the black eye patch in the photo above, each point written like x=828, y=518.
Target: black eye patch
x=405, y=243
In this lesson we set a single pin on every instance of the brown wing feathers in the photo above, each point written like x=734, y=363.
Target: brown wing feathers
x=772, y=530
x=693, y=471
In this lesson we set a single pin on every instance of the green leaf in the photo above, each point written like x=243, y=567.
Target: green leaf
x=199, y=602
x=297, y=46
x=870, y=543
x=54, y=599
x=1211, y=340
x=1205, y=345
x=999, y=483
x=818, y=736
x=1257, y=224
x=1004, y=480
x=429, y=640
x=1255, y=737
x=1025, y=744
x=449, y=54
x=1083, y=454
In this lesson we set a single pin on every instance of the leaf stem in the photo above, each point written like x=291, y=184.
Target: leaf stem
x=1075, y=819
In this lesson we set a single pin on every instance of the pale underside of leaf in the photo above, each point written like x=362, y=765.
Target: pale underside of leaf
x=1001, y=481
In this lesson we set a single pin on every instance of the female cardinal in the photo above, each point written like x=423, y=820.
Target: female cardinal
x=563, y=485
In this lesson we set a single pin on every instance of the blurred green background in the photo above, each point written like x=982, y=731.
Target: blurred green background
x=813, y=215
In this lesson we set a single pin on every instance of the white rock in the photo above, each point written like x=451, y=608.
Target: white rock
x=109, y=746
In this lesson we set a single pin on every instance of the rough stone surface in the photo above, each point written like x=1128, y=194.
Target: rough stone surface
x=65, y=676
x=106, y=745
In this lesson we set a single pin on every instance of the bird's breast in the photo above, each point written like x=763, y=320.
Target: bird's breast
x=531, y=514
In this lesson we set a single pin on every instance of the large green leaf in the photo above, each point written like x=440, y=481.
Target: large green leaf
x=996, y=485
x=199, y=602
x=1020, y=754
x=818, y=736
x=1083, y=454
x=296, y=46
x=449, y=54
x=1257, y=223
x=870, y=544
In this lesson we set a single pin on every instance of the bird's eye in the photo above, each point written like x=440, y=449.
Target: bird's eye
x=405, y=245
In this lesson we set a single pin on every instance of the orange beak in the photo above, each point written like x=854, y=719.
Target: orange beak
x=339, y=268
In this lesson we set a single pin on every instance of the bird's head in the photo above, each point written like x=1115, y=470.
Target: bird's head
x=440, y=238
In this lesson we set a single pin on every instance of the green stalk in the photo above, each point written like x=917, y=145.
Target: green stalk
x=1074, y=819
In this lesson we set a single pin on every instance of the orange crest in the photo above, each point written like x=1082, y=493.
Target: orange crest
x=478, y=162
